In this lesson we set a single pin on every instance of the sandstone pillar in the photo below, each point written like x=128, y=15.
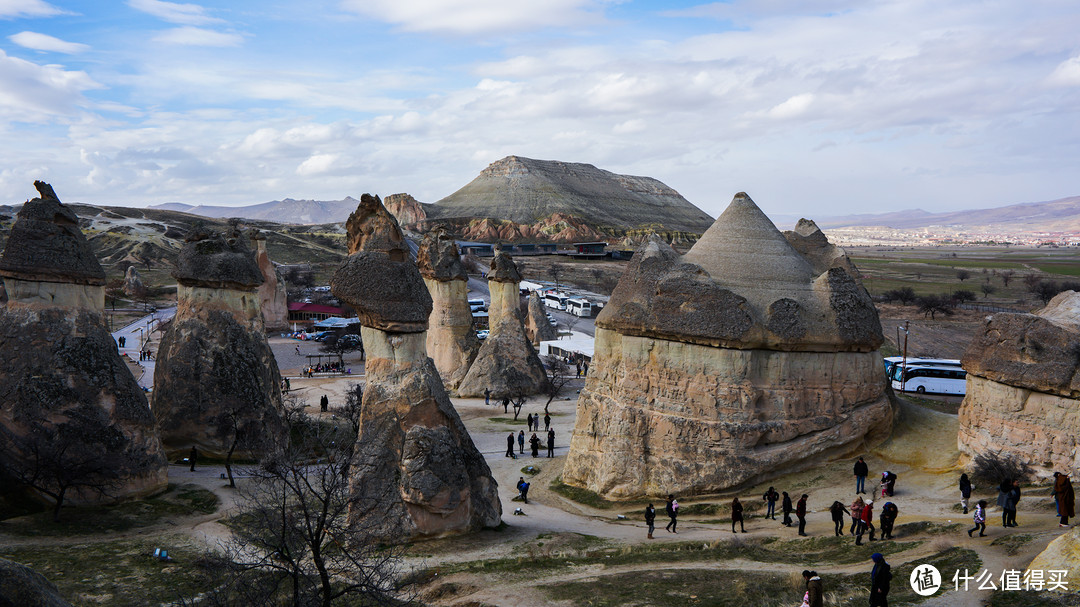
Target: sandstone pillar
x=273, y=300
x=451, y=338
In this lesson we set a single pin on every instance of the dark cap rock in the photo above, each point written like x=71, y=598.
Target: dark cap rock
x=439, y=259
x=378, y=279
x=47, y=245
x=216, y=260
x=503, y=268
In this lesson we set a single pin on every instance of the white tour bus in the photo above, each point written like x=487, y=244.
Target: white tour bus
x=579, y=307
x=555, y=300
x=892, y=362
x=477, y=304
x=933, y=379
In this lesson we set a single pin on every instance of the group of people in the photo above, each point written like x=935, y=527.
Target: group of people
x=333, y=367
x=534, y=444
x=672, y=510
x=533, y=422
x=880, y=583
x=145, y=355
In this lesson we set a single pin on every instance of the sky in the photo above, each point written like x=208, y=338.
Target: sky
x=814, y=108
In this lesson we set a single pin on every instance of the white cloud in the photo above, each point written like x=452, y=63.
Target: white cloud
x=317, y=164
x=1067, y=73
x=44, y=42
x=27, y=8
x=470, y=17
x=173, y=12
x=34, y=93
x=793, y=107
x=197, y=36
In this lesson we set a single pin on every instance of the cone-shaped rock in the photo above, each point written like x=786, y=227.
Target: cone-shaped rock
x=216, y=381
x=537, y=325
x=739, y=361
x=67, y=399
x=451, y=340
x=415, y=471
x=507, y=363
x=1023, y=387
x=273, y=301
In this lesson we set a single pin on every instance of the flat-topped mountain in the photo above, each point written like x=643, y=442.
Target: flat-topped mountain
x=527, y=191
x=288, y=210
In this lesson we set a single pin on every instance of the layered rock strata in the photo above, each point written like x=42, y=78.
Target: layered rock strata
x=1023, y=387
x=273, y=301
x=537, y=326
x=66, y=396
x=415, y=471
x=507, y=363
x=451, y=340
x=216, y=382
x=741, y=360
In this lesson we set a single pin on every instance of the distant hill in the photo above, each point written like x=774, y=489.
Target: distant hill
x=1058, y=215
x=288, y=210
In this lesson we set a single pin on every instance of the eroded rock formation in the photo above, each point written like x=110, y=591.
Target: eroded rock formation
x=273, y=301
x=507, y=363
x=65, y=394
x=133, y=284
x=415, y=471
x=405, y=209
x=21, y=586
x=1023, y=386
x=537, y=326
x=216, y=381
x=451, y=339
x=740, y=360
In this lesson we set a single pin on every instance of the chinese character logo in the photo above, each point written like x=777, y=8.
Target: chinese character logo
x=925, y=580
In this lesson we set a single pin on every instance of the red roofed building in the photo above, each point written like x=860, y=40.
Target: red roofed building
x=306, y=313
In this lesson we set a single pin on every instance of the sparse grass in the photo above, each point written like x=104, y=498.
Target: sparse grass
x=531, y=470
x=507, y=420
x=1013, y=543
x=182, y=500
x=581, y=496
x=926, y=527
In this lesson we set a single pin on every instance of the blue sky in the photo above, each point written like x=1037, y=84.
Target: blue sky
x=818, y=107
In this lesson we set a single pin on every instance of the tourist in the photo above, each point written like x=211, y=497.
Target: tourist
x=770, y=498
x=650, y=519
x=965, y=491
x=856, y=514
x=534, y=443
x=980, y=519
x=298, y=349
x=837, y=510
x=1063, y=493
x=551, y=443
x=487, y=396
x=194, y=455
x=510, y=446
x=324, y=403
x=861, y=472
x=736, y=515
x=506, y=404
x=888, y=482
x=523, y=488
x=521, y=442
x=887, y=517
x=1008, y=506
x=866, y=523
x=815, y=593
x=547, y=422
x=880, y=577
x=800, y=513
x=672, y=509
x=1003, y=493
x=785, y=505
x=528, y=421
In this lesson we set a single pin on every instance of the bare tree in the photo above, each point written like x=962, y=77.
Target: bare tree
x=963, y=275
x=1031, y=281
x=987, y=289
x=1006, y=277
x=354, y=398
x=930, y=305
x=555, y=271
x=341, y=342
x=291, y=542
x=558, y=373
x=518, y=401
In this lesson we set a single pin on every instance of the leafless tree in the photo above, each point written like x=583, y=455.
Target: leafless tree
x=963, y=275
x=1006, y=277
x=555, y=271
x=930, y=305
x=558, y=373
x=987, y=289
x=354, y=398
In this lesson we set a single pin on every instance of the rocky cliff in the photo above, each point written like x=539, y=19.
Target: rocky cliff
x=67, y=401
x=407, y=210
x=216, y=382
x=741, y=360
x=451, y=339
x=1023, y=386
x=415, y=472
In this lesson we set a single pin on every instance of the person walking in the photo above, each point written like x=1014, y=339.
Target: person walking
x=547, y=422
x=1003, y=493
x=887, y=517
x=1053, y=492
x=770, y=498
x=521, y=442
x=324, y=403
x=965, y=491
x=650, y=519
x=815, y=592
x=551, y=443
x=980, y=519
x=880, y=576
x=194, y=455
x=1063, y=492
x=856, y=514
x=736, y=515
x=487, y=396
x=800, y=513
x=861, y=472
x=837, y=510
x=785, y=506
x=672, y=509
x=510, y=446
x=534, y=444
x=866, y=523
x=1012, y=498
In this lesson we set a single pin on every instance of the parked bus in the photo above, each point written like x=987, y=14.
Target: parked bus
x=579, y=307
x=476, y=305
x=897, y=361
x=555, y=300
x=932, y=379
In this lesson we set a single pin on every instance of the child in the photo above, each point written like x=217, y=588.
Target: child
x=980, y=519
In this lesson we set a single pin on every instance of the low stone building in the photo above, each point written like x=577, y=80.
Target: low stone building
x=741, y=360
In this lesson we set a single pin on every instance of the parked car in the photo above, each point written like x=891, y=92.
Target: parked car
x=482, y=334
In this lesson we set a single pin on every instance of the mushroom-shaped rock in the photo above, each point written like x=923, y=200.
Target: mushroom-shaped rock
x=451, y=340
x=1023, y=386
x=217, y=261
x=740, y=360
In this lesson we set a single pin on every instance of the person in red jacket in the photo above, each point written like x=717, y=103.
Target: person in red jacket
x=800, y=512
x=867, y=523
